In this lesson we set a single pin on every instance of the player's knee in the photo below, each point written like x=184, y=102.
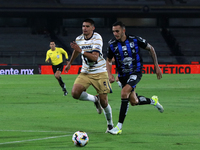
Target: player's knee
x=124, y=95
x=103, y=100
x=75, y=94
x=133, y=102
x=57, y=76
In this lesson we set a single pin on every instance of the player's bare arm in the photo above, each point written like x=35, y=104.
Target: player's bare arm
x=109, y=69
x=74, y=55
x=92, y=56
x=155, y=61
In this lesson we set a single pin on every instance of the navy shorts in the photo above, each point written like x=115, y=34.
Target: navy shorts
x=132, y=80
x=58, y=67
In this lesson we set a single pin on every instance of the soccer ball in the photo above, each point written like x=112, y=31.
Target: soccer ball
x=80, y=138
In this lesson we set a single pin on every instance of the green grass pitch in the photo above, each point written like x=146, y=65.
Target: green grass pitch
x=34, y=115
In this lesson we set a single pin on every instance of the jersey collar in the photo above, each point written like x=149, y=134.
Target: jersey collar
x=89, y=38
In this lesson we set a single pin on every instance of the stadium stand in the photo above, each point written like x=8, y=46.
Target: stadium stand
x=104, y=2
x=25, y=41
x=114, y=2
x=186, y=2
x=19, y=46
x=27, y=1
x=188, y=39
x=183, y=43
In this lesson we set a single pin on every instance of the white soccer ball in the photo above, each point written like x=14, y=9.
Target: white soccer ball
x=80, y=138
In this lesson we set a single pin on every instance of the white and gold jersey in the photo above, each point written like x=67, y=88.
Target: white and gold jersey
x=94, y=44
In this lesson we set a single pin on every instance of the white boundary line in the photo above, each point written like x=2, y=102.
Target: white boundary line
x=33, y=131
x=46, y=138
x=53, y=137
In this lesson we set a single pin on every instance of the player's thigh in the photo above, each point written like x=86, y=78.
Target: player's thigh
x=80, y=85
x=77, y=90
x=101, y=83
x=82, y=81
x=125, y=92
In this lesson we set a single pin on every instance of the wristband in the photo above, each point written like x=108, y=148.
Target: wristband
x=82, y=52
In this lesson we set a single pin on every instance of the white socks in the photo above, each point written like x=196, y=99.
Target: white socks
x=87, y=97
x=107, y=111
x=108, y=114
x=119, y=125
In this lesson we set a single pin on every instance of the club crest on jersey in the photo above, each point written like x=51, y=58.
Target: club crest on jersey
x=132, y=44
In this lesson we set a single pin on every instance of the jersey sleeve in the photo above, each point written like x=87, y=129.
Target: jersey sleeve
x=141, y=42
x=97, y=44
x=64, y=52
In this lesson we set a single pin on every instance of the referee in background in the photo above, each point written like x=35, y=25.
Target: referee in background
x=54, y=55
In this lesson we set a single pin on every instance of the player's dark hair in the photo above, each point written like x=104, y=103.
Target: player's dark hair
x=52, y=41
x=119, y=23
x=89, y=20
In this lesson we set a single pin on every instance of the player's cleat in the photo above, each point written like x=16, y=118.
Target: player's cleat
x=157, y=104
x=97, y=104
x=65, y=93
x=110, y=127
x=115, y=130
x=64, y=90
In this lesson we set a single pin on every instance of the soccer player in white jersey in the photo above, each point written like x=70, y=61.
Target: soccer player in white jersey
x=89, y=44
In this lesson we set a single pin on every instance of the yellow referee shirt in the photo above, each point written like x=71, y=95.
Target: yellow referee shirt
x=56, y=55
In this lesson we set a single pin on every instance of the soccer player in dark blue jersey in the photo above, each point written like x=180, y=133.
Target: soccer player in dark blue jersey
x=126, y=51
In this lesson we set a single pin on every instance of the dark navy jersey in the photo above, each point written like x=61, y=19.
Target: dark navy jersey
x=127, y=55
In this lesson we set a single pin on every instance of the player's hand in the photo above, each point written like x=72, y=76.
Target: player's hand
x=47, y=61
x=67, y=67
x=111, y=78
x=75, y=46
x=158, y=73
